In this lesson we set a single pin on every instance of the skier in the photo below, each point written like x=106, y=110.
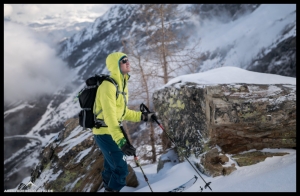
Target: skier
x=110, y=136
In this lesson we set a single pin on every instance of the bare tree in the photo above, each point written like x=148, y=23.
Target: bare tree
x=167, y=45
x=142, y=78
x=165, y=53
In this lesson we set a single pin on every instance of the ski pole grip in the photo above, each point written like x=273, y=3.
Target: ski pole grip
x=143, y=108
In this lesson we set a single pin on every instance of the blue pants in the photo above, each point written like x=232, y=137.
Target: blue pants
x=115, y=165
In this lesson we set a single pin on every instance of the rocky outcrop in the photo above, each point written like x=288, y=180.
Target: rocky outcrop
x=213, y=164
x=73, y=168
x=233, y=117
x=251, y=158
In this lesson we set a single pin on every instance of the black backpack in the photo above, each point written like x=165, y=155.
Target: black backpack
x=86, y=97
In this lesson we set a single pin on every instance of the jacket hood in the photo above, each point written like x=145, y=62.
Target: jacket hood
x=113, y=65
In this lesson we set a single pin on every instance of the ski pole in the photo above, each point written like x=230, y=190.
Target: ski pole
x=135, y=158
x=143, y=108
x=146, y=179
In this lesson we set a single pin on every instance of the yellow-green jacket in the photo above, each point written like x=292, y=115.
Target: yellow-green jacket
x=114, y=110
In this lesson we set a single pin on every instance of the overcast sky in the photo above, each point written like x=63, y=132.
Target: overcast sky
x=30, y=13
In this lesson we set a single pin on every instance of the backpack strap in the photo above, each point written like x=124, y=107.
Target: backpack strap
x=116, y=85
x=92, y=86
x=117, y=95
x=101, y=123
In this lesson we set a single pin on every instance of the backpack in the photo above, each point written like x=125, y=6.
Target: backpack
x=86, y=97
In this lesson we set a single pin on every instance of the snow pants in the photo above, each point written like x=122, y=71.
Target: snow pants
x=115, y=165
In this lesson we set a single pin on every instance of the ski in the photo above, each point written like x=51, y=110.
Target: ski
x=185, y=186
x=101, y=186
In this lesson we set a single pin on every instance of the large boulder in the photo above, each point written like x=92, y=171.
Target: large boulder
x=233, y=117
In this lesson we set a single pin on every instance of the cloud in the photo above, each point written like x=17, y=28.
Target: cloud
x=30, y=13
x=31, y=68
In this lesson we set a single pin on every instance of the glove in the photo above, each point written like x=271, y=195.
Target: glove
x=126, y=148
x=148, y=116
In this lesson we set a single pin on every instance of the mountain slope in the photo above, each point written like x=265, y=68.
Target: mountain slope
x=254, y=37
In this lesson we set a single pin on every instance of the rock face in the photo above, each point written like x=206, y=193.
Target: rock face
x=74, y=168
x=233, y=117
x=244, y=117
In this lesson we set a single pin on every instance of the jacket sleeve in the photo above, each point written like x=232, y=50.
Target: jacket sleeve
x=133, y=116
x=110, y=110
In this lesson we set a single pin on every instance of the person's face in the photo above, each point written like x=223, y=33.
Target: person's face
x=125, y=66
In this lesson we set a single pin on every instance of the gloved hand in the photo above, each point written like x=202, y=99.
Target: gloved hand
x=127, y=149
x=148, y=116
